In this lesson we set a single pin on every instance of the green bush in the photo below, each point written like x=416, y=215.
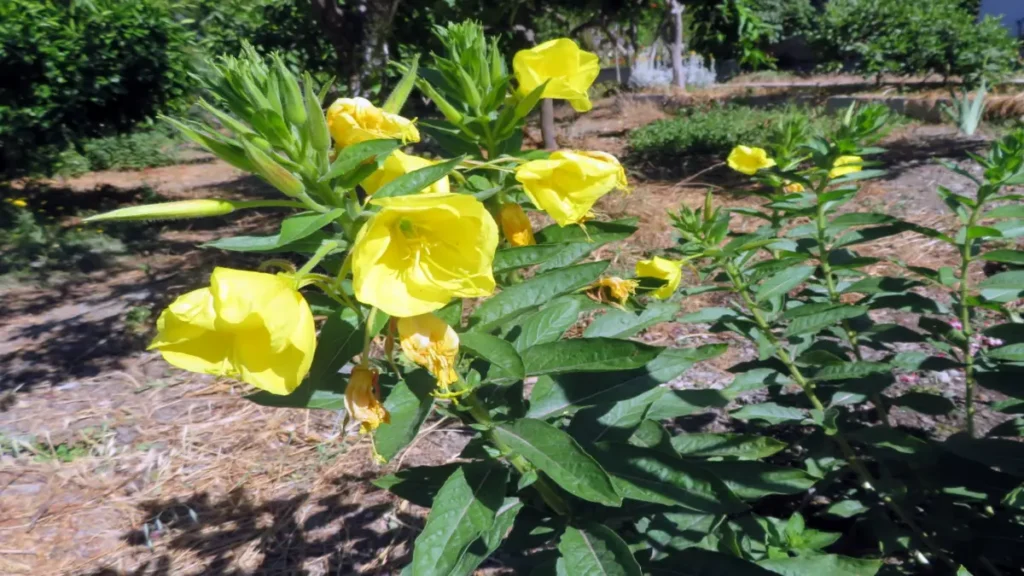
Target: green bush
x=84, y=70
x=942, y=37
x=745, y=30
x=710, y=131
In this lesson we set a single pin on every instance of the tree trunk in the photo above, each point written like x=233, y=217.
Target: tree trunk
x=676, y=10
x=547, y=123
x=359, y=31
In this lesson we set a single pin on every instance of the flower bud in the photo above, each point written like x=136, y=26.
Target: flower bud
x=291, y=95
x=168, y=211
x=515, y=225
x=278, y=176
x=362, y=401
x=319, y=133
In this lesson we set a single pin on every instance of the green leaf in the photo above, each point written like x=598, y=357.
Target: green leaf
x=963, y=572
x=587, y=355
x=850, y=370
x=1008, y=211
x=1004, y=455
x=678, y=530
x=595, y=550
x=751, y=480
x=496, y=351
x=302, y=225
x=1004, y=287
x=414, y=182
x=305, y=396
x=340, y=339
x=418, y=484
x=484, y=546
x=783, y=282
x=555, y=395
x=769, y=412
x=408, y=403
x=351, y=157
x=846, y=509
x=1007, y=256
x=743, y=446
x=586, y=233
x=698, y=562
x=925, y=403
x=614, y=422
x=400, y=93
x=650, y=475
x=1011, y=353
x=559, y=456
x=812, y=323
x=463, y=511
x=830, y=564
x=623, y=323
x=548, y=324
x=522, y=256
x=533, y=293
x=307, y=245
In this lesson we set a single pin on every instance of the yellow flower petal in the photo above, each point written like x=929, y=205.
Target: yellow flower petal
x=661, y=269
x=420, y=251
x=362, y=402
x=355, y=120
x=568, y=71
x=247, y=325
x=749, y=160
x=614, y=289
x=515, y=225
x=793, y=188
x=568, y=184
x=398, y=164
x=846, y=165
x=430, y=342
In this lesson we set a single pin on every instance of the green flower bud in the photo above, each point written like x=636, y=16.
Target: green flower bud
x=278, y=176
x=449, y=111
x=319, y=134
x=291, y=95
x=167, y=211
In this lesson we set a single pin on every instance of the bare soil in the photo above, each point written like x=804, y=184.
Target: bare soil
x=113, y=463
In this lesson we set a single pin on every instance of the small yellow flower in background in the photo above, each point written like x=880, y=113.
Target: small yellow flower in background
x=567, y=184
x=421, y=251
x=846, y=165
x=568, y=71
x=397, y=164
x=251, y=326
x=662, y=269
x=793, y=188
x=19, y=202
x=613, y=289
x=515, y=225
x=749, y=160
x=355, y=120
x=430, y=342
x=362, y=399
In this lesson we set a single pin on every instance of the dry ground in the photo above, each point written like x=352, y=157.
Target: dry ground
x=113, y=463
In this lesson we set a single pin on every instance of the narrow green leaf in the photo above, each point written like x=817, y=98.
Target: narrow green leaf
x=340, y=339
x=417, y=484
x=613, y=422
x=745, y=446
x=496, y=351
x=484, y=546
x=302, y=225
x=1008, y=211
x=400, y=94
x=830, y=564
x=595, y=550
x=650, y=475
x=752, y=480
x=623, y=323
x=699, y=562
x=555, y=233
x=587, y=355
x=1011, y=353
x=533, y=293
x=307, y=245
x=463, y=511
x=559, y=456
x=769, y=412
x=408, y=403
x=812, y=323
x=1006, y=256
x=414, y=182
x=1003, y=287
x=783, y=282
x=850, y=370
x=522, y=256
x=548, y=324
x=351, y=157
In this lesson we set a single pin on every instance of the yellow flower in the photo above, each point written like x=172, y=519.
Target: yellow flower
x=662, y=269
x=567, y=184
x=422, y=250
x=430, y=342
x=19, y=202
x=516, y=225
x=793, y=188
x=362, y=399
x=355, y=120
x=846, y=165
x=568, y=71
x=749, y=160
x=613, y=289
x=247, y=325
x=398, y=164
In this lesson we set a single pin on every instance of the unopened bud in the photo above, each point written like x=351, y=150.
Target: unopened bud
x=167, y=211
x=319, y=133
x=278, y=176
x=449, y=111
x=291, y=95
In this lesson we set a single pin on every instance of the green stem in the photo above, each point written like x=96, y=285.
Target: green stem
x=966, y=254
x=325, y=249
x=808, y=388
x=267, y=204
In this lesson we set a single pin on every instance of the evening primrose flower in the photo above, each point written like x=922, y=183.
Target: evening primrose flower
x=515, y=225
x=251, y=326
x=398, y=164
x=749, y=160
x=430, y=342
x=568, y=71
x=362, y=400
x=422, y=250
x=568, y=183
x=661, y=269
x=355, y=120
x=845, y=165
x=613, y=289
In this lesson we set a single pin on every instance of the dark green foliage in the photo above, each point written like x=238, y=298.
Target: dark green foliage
x=84, y=69
x=915, y=38
x=745, y=30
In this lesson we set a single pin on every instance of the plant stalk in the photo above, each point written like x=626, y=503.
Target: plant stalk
x=965, y=318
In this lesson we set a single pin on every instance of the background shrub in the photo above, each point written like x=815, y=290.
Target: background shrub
x=84, y=69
